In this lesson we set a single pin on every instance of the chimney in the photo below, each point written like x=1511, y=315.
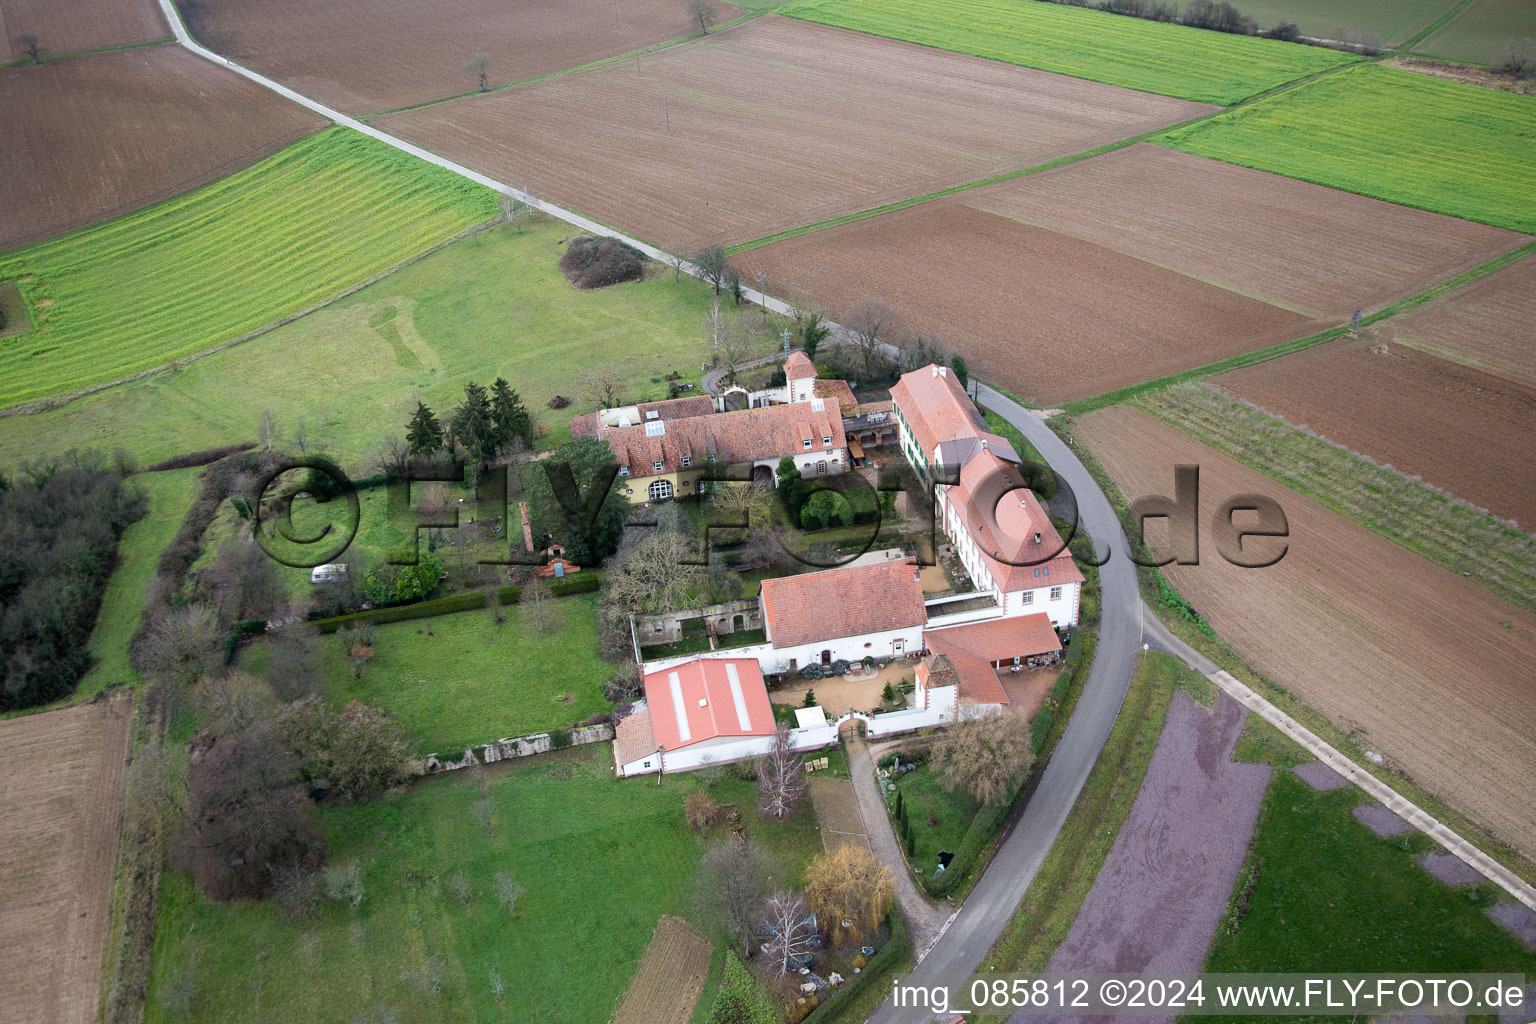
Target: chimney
x=917, y=574
x=943, y=371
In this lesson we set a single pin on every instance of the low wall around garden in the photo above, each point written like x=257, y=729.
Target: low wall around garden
x=516, y=746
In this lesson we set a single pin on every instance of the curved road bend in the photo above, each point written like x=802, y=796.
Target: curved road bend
x=991, y=903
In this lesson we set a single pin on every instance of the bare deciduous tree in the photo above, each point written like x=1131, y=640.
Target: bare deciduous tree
x=781, y=781
x=514, y=211
x=984, y=753
x=508, y=891
x=791, y=932
x=735, y=878
x=918, y=350
x=27, y=44
x=233, y=702
x=869, y=326
x=392, y=456
x=478, y=67
x=536, y=606
x=712, y=263
x=850, y=890
x=267, y=431
x=654, y=576
x=603, y=384
x=716, y=325
x=701, y=13
x=740, y=345
x=185, y=644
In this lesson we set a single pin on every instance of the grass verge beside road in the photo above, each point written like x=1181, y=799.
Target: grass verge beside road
x=1046, y=913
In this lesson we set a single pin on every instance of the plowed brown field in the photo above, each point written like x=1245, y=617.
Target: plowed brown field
x=1373, y=636
x=774, y=124
x=670, y=977
x=1043, y=314
x=1320, y=252
x=364, y=56
x=68, y=26
x=61, y=781
x=89, y=138
x=1489, y=325
x=1462, y=430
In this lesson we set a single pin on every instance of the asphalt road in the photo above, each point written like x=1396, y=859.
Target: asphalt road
x=991, y=903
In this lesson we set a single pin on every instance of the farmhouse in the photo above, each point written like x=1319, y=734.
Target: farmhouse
x=1002, y=535
x=662, y=448
x=843, y=614
x=704, y=711
x=978, y=651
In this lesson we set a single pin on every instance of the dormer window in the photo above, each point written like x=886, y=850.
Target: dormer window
x=826, y=440
x=623, y=471
x=806, y=444
x=656, y=467
x=687, y=462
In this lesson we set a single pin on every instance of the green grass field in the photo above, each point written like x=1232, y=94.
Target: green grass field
x=1481, y=30
x=494, y=303
x=1395, y=135
x=1394, y=21
x=1332, y=896
x=953, y=812
x=601, y=860
x=470, y=681
x=1189, y=63
x=207, y=267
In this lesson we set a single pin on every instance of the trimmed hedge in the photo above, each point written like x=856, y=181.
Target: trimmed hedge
x=464, y=602
x=201, y=458
x=897, y=947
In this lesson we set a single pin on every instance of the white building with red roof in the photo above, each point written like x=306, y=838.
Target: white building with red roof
x=703, y=711
x=1002, y=535
x=843, y=614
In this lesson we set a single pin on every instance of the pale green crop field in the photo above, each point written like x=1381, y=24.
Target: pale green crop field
x=1173, y=60
x=1395, y=135
x=1478, y=32
x=236, y=255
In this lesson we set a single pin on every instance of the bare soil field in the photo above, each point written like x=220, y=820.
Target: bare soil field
x=1314, y=250
x=1428, y=668
x=1489, y=325
x=774, y=124
x=90, y=138
x=1462, y=430
x=68, y=26
x=61, y=781
x=414, y=53
x=1046, y=315
x=670, y=978
x=1164, y=887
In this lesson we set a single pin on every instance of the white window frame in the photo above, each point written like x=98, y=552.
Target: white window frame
x=826, y=440
x=805, y=445
x=660, y=490
x=687, y=461
x=1028, y=597
x=656, y=467
x=1055, y=593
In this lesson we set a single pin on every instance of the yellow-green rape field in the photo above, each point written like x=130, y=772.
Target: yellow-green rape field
x=1174, y=60
x=1395, y=135
x=187, y=275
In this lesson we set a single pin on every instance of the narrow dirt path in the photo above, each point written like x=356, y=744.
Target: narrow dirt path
x=924, y=920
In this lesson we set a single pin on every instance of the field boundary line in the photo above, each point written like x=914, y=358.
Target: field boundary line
x=46, y=57
x=652, y=48
x=1309, y=741
x=54, y=401
x=1080, y=406
x=1445, y=19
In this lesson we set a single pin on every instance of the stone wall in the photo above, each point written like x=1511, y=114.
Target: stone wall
x=502, y=750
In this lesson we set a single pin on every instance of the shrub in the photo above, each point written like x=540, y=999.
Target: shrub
x=1517, y=58
x=702, y=811
x=1286, y=31
x=1219, y=16
x=592, y=262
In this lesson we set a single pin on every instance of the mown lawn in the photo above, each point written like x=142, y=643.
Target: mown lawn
x=458, y=680
x=952, y=812
x=1190, y=63
x=601, y=860
x=1395, y=135
x=494, y=304
x=207, y=267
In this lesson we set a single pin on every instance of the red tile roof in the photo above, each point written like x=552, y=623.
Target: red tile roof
x=972, y=649
x=837, y=603
x=632, y=737
x=799, y=366
x=748, y=435
x=935, y=407
x=839, y=390
x=1015, y=558
x=708, y=698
